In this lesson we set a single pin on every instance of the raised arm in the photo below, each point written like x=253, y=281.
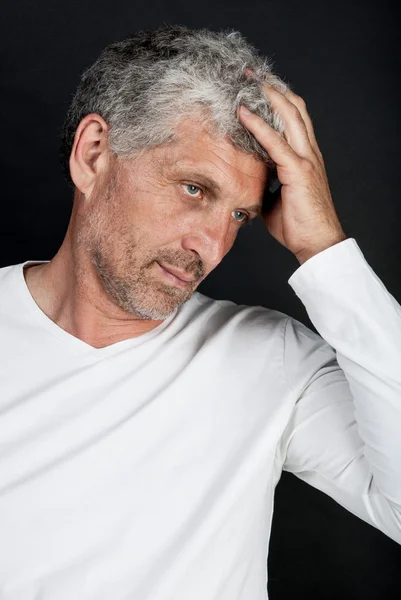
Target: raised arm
x=344, y=436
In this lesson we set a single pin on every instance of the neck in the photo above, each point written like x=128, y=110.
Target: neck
x=69, y=292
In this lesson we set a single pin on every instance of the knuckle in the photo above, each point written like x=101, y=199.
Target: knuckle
x=301, y=102
x=298, y=100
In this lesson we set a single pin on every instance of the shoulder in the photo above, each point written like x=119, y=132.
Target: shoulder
x=6, y=271
x=7, y=275
x=252, y=322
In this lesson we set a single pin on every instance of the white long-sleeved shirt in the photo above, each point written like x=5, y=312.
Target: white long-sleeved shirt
x=146, y=470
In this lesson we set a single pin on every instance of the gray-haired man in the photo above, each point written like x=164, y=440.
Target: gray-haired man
x=144, y=426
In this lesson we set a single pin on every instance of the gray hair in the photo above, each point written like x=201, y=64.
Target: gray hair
x=144, y=84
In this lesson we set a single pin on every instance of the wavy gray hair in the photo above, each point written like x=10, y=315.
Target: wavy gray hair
x=144, y=84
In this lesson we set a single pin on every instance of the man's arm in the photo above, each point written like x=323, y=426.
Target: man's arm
x=344, y=435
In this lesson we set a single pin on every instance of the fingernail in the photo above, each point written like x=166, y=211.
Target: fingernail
x=244, y=110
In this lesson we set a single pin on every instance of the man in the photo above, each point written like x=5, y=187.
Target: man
x=144, y=426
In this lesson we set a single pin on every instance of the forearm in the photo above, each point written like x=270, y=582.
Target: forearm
x=366, y=334
x=356, y=315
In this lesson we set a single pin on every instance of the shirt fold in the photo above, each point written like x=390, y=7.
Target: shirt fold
x=344, y=435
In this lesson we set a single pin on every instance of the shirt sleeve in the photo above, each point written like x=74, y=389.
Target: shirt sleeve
x=344, y=433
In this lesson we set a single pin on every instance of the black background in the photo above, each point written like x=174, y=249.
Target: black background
x=344, y=60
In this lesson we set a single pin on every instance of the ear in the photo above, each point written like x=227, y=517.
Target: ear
x=90, y=153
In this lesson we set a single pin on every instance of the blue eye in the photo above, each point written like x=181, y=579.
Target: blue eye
x=241, y=213
x=192, y=189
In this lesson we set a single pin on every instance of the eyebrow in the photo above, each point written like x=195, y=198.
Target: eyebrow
x=214, y=188
x=205, y=181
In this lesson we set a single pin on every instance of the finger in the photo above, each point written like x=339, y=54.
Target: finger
x=276, y=146
x=295, y=131
x=301, y=105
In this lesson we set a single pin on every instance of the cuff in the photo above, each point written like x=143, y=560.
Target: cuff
x=338, y=261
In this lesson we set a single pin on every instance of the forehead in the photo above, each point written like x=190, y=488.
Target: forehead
x=195, y=148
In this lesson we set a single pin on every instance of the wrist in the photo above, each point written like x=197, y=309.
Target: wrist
x=305, y=255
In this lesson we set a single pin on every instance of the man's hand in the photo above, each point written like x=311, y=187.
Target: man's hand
x=303, y=218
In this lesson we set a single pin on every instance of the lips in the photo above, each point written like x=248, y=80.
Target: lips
x=179, y=274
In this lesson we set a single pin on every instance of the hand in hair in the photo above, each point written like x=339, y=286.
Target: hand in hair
x=303, y=217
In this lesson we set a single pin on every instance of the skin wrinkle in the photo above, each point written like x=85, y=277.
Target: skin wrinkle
x=132, y=109
x=105, y=283
x=213, y=189
x=143, y=96
x=133, y=213
x=234, y=181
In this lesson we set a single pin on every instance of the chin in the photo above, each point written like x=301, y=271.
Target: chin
x=156, y=305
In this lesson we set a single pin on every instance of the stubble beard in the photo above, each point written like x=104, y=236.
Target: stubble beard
x=128, y=284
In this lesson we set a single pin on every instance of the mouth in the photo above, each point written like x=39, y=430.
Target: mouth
x=174, y=278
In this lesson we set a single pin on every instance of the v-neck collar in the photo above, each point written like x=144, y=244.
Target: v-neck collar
x=75, y=344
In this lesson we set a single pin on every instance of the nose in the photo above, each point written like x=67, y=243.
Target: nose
x=211, y=239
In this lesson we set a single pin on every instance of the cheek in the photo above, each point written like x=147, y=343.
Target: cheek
x=164, y=232
x=153, y=219
x=168, y=221
x=144, y=233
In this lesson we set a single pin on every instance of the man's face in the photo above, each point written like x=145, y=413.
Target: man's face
x=180, y=206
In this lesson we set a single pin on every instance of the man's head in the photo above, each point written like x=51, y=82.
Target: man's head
x=164, y=172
